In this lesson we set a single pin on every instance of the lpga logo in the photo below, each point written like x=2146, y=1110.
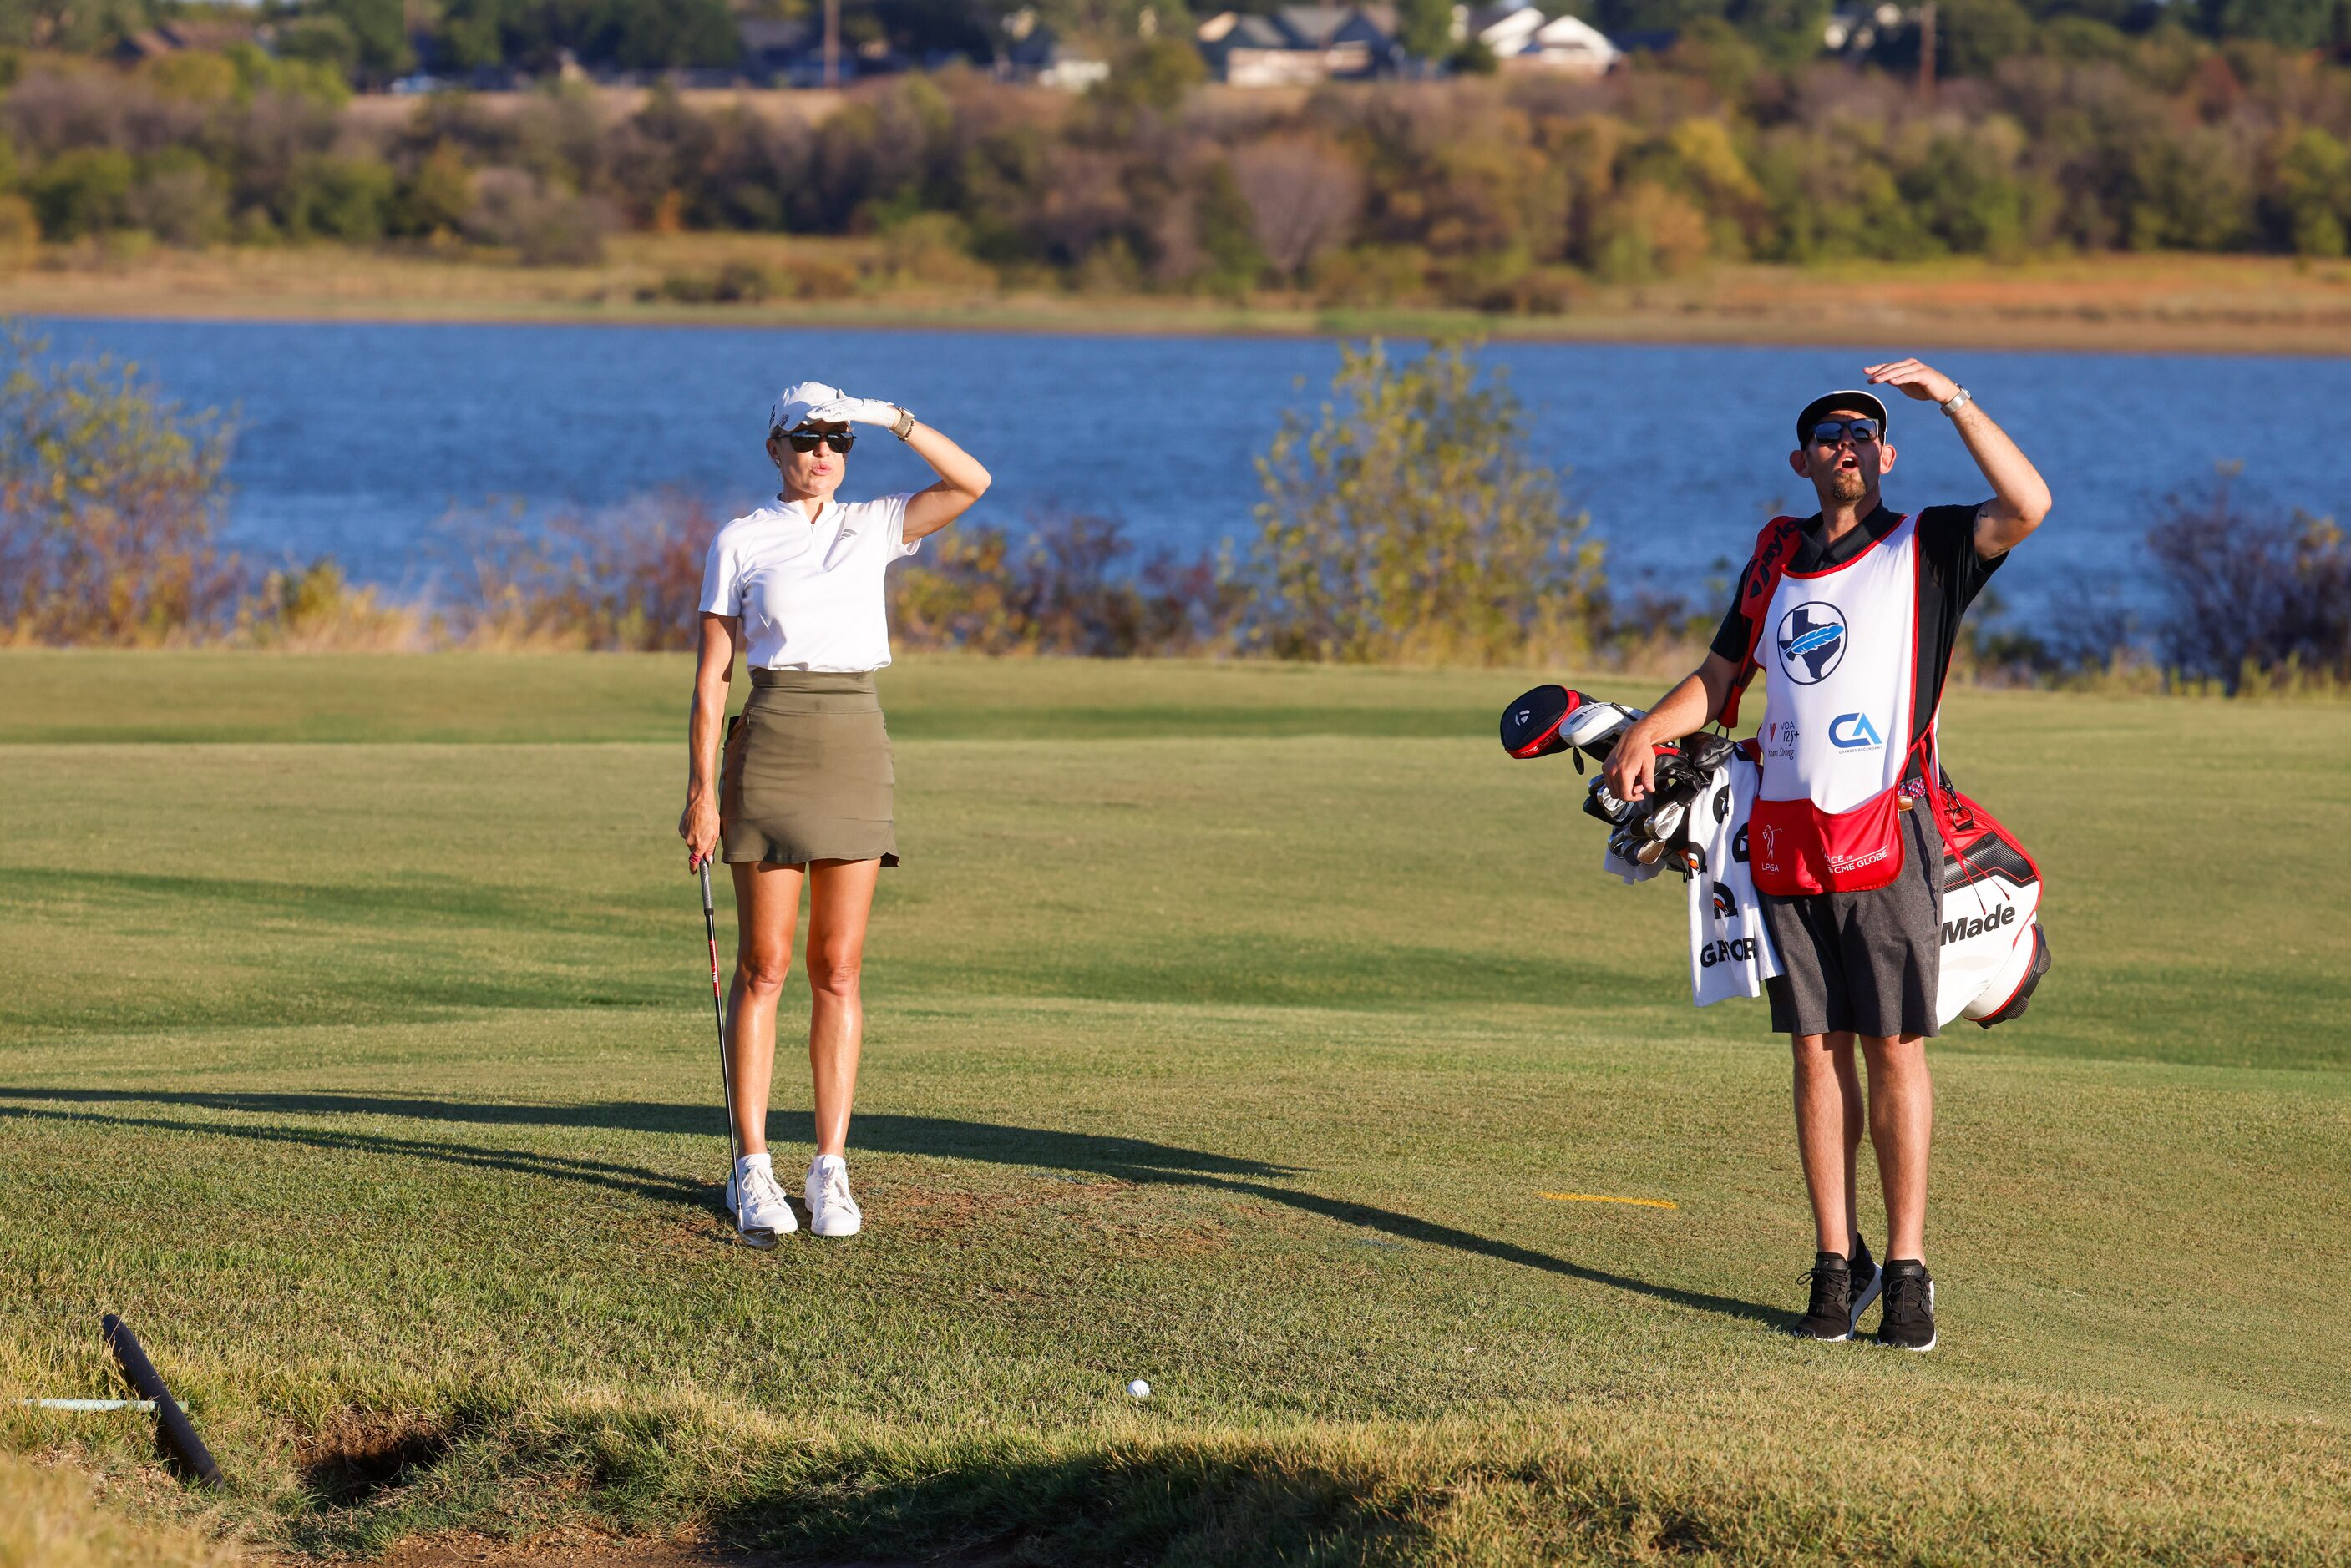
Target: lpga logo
x=1812, y=640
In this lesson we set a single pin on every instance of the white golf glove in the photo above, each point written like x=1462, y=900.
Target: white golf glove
x=856, y=411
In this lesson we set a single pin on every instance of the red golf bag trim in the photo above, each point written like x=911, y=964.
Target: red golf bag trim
x=1965, y=826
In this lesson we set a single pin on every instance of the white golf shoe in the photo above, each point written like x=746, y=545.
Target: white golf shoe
x=832, y=1210
x=757, y=1201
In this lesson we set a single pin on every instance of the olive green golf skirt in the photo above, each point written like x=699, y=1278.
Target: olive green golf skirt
x=808, y=773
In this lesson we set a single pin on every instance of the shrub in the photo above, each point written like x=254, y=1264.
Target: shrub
x=437, y=198
x=1303, y=197
x=82, y=191
x=543, y=227
x=1371, y=275
x=736, y=283
x=1069, y=585
x=179, y=200
x=628, y=581
x=1156, y=73
x=2251, y=593
x=1409, y=523
x=316, y=609
x=934, y=248
x=326, y=41
x=20, y=232
x=818, y=277
x=1646, y=231
x=337, y=198
x=109, y=495
x=2309, y=193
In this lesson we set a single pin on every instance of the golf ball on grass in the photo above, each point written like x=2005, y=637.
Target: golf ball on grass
x=1139, y=1389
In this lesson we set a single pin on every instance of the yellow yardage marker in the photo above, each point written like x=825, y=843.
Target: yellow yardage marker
x=1597, y=1198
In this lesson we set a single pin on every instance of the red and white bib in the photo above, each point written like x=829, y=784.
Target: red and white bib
x=1839, y=652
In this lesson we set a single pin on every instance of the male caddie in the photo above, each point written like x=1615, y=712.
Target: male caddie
x=1850, y=615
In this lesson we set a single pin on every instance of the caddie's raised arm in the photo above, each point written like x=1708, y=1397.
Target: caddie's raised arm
x=2020, y=496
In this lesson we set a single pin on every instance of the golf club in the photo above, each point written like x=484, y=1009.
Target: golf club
x=725, y=1069
x=177, y=1433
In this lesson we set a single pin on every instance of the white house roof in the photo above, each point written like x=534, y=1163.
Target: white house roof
x=1505, y=28
x=1575, y=34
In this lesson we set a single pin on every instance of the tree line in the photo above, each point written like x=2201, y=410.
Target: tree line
x=1502, y=194
x=368, y=42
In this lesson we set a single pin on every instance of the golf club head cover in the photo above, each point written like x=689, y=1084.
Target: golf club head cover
x=1595, y=725
x=1552, y=719
x=1530, y=724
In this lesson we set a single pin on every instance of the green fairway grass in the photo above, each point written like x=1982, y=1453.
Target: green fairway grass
x=1228, y=1025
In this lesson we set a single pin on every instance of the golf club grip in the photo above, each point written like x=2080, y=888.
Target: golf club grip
x=178, y=1432
x=710, y=930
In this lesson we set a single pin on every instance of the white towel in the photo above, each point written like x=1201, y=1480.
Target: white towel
x=1730, y=950
x=1627, y=871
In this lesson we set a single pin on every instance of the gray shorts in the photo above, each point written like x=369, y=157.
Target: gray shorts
x=1865, y=962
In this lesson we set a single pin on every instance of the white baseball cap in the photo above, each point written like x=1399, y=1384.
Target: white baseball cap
x=794, y=403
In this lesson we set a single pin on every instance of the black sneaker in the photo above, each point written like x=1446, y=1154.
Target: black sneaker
x=1830, y=1316
x=1909, y=1319
x=1868, y=1279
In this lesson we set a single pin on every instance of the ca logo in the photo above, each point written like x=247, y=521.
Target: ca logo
x=1853, y=732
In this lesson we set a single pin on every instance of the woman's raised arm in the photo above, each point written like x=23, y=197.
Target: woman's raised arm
x=962, y=481
x=714, y=668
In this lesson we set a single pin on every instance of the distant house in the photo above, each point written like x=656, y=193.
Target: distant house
x=1039, y=57
x=1522, y=38
x=1298, y=45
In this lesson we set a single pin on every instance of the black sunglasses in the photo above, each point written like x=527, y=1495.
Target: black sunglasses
x=805, y=441
x=1828, y=433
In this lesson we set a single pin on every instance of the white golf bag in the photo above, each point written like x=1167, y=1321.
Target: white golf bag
x=1994, y=949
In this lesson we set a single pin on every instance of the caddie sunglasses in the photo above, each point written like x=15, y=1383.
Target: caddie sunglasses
x=1828, y=433
x=805, y=441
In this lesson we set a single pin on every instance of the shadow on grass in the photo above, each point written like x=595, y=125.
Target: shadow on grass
x=635, y=1179
x=1134, y=1160
x=1175, y=1502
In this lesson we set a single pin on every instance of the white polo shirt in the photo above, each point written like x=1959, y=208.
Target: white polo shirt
x=809, y=593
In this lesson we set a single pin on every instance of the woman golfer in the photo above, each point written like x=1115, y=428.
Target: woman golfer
x=804, y=789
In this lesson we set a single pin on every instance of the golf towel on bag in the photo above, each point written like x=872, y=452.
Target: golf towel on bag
x=1731, y=951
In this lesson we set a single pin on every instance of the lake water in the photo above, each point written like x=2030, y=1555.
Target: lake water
x=357, y=440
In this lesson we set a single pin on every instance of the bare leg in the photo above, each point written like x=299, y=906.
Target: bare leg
x=1901, y=1127
x=840, y=897
x=767, y=902
x=1828, y=1133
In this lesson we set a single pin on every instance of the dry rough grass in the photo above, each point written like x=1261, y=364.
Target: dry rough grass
x=54, y=1516
x=2128, y=304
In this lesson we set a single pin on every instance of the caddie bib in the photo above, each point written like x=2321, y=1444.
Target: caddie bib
x=1839, y=651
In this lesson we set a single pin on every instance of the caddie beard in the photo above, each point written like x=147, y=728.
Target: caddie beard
x=1847, y=484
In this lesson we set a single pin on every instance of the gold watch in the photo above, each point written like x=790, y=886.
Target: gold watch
x=905, y=425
